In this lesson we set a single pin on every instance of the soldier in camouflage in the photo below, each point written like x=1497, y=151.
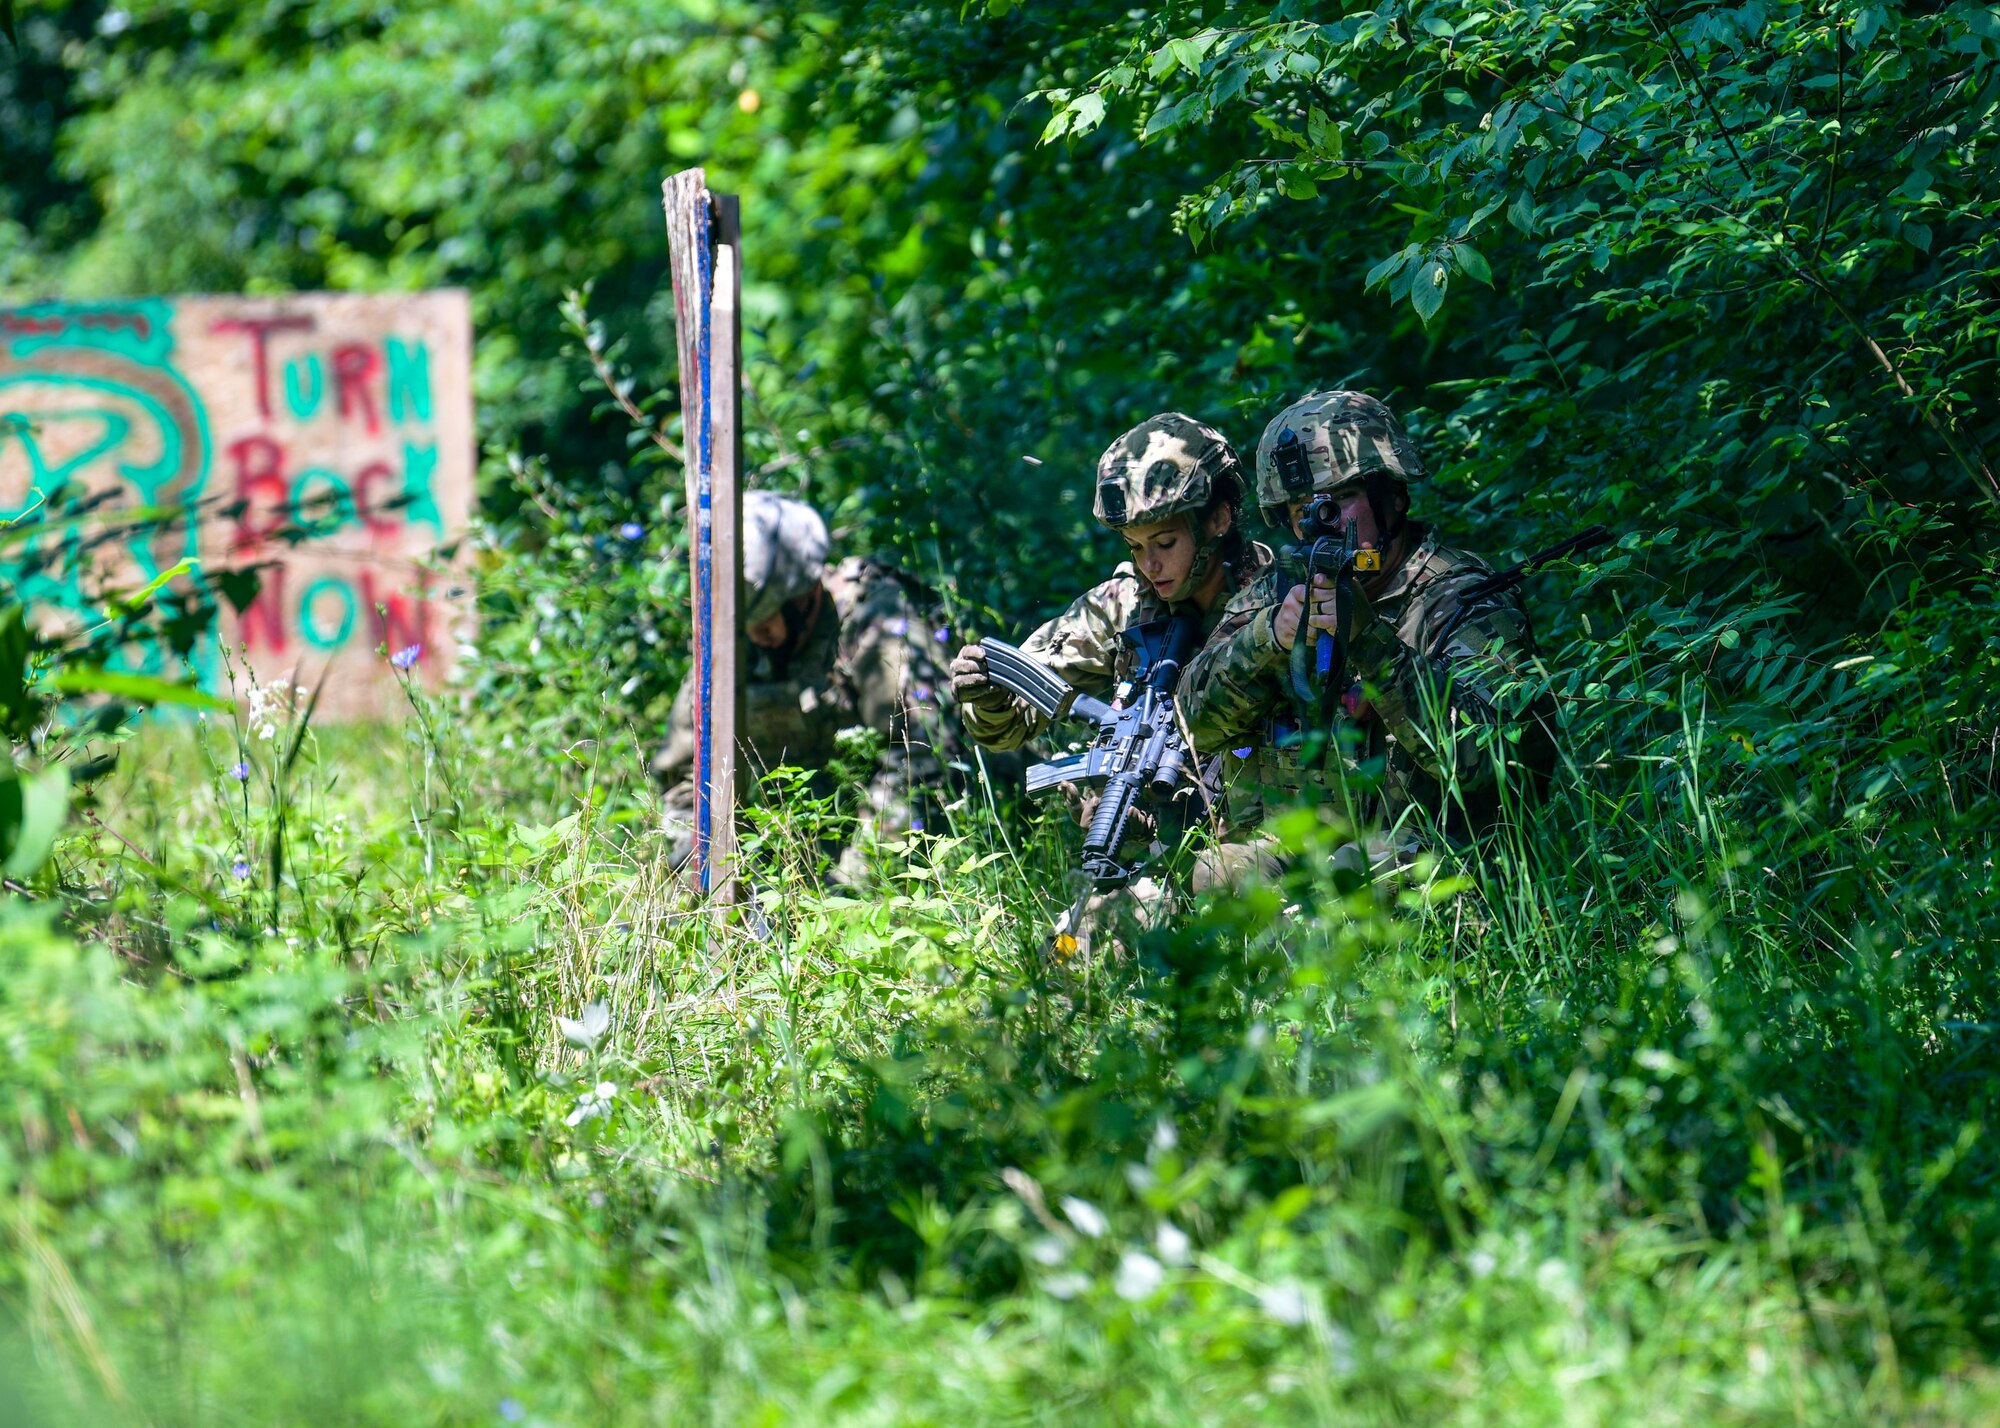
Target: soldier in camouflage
x=1435, y=719
x=832, y=652
x=1172, y=487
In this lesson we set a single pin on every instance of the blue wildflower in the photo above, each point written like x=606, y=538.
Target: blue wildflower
x=240, y=771
x=631, y=530
x=916, y=825
x=923, y=693
x=944, y=634
x=240, y=868
x=899, y=626
x=1244, y=752
x=512, y=1410
x=407, y=656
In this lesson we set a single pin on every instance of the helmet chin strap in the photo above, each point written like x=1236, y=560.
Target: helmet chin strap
x=1207, y=550
x=1381, y=492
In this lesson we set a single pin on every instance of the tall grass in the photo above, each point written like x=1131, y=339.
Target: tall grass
x=1676, y=1116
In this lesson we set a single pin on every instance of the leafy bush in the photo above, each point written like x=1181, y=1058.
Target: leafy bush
x=371, y=1075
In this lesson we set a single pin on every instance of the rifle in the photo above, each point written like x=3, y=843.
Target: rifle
x=1138, y=748
x=1327, y=546
x=1475, y=595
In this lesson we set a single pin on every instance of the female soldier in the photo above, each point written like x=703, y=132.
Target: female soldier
x=1172, y=487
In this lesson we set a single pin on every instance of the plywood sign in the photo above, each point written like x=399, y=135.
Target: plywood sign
x=326, y=437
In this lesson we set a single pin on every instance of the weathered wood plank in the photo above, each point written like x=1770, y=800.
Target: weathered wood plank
x=702, y=238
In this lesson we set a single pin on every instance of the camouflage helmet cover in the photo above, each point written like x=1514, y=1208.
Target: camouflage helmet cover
x=784, y=553
x=1346, y=436
x=1166, y=466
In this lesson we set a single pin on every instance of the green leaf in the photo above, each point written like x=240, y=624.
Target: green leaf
x=1165, y=118
x=1588, y=141
x=1187, y=54
x=1387, y=268
x=32, y=807
x=1086, y=113
x=1233, y=79
x=1472, y=263
x=1485, y=212
x=1521, y=212
x=238, y=587
x=17, y=704
x=133, y=688
x=1427, y=289
x=125, y=604
x=1437, y=25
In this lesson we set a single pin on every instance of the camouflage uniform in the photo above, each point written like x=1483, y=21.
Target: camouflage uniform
x=1161, y=468
x=1170, y=465
x=1443, y=722
x=870, y=661
x=1085, y=645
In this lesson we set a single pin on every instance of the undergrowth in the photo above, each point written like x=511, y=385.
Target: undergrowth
x=388, y=1076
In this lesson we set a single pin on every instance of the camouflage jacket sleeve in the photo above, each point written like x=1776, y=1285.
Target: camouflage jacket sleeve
x=1446, y=714
x=1231, y=687
x=889, y=659
x=1081, y=645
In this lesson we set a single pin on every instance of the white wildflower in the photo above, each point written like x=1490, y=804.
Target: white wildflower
x=592, y=1104
x=1173, y=1243
x=1047, y=1251
x=588, y=1028
x=1284, y=1302
x=1139, y=1275
x=1085, y=1216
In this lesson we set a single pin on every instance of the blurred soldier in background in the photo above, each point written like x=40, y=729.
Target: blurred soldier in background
x=1434, y=716
x=835, y=655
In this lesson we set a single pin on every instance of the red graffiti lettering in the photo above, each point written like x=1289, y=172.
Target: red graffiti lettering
x=400, y=620
x=263, y=623
x=113, y=321
x=364, y=504
x=261, y=492
x=18, y=325
x=354, y=366
x=260, y=330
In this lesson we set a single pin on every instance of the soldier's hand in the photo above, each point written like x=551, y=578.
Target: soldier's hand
x=972, y=684
x=1285, y=624
x=1324, y=615
x=1140, y=825
x=1319, y=614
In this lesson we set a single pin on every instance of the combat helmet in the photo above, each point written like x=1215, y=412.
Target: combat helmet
x=784, y=553
x=1328, y=439
x=1168, y=465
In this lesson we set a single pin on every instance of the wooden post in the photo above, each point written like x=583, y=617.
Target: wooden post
x=704, y=237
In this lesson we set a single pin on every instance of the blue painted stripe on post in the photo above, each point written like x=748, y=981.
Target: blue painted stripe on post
x=704, y=561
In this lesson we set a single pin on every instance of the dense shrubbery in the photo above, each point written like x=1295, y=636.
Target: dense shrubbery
x=1681, y=1118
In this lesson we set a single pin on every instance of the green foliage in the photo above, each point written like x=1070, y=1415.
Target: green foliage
x=387, y=1075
